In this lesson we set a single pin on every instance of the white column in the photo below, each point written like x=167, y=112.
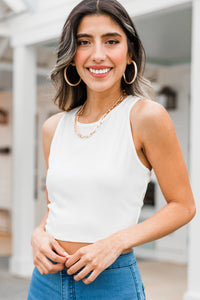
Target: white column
x=193, y=289
x=24, y=110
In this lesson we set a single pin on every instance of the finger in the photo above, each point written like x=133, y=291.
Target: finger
x=46, y=263
x=59, y=249
x=92, y=277
x=75, y=267
x=49, y=267
x=83, y=273
x=41, y=267
x=56, y=268
x=55, y=257
x=73, y=259
x=41, y=270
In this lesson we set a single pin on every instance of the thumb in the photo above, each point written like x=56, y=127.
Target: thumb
x=59, y=250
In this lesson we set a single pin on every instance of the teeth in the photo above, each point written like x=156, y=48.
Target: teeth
x=103, y=71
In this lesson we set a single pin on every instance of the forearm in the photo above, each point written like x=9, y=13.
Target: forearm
x=43, y=222
x=168, y=219
x=39, y=228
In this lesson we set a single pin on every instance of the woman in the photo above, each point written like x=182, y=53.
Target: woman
x=99, y=153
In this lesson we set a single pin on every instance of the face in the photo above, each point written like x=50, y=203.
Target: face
x=102, y=53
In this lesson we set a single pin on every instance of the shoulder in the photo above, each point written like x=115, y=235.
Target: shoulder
x=147, y=110
x=48, y=130
x=49, y=126
x=151, y=120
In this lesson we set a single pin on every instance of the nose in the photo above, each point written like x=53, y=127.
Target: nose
x=98, y=53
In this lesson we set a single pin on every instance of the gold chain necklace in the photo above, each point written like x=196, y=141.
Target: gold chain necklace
x=80, y=112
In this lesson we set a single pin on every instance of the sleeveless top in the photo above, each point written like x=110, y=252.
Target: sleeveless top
x=95, y=185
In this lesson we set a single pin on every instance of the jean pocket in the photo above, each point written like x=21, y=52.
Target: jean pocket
x=139, y=286
x=117, y=284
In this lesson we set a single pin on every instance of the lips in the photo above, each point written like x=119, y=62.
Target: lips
x=100, y=71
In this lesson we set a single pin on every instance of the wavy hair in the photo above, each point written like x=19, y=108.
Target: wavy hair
x=68, y=97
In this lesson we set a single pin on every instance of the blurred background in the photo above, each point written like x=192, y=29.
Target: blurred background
x=29, y=32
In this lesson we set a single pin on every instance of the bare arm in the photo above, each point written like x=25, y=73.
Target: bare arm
x=44, y=246
x=163, y=152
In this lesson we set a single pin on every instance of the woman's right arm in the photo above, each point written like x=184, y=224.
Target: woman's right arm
x=44, y=246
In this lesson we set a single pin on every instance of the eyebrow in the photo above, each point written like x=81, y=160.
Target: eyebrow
x=109, y=34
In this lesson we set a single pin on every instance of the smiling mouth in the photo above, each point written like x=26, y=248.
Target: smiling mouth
x=99, y=71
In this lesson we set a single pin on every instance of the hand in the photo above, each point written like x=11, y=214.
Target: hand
x=93, y=258
x=45, y=247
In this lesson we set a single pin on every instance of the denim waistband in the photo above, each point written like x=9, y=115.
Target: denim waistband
x=124, y=260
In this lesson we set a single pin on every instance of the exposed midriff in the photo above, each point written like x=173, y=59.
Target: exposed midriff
x=72, y=247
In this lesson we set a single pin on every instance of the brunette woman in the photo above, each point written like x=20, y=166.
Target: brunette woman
x=99, y=153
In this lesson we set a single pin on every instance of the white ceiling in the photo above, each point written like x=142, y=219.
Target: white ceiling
x=4, y=9
x=166, y=37
x=10, y=8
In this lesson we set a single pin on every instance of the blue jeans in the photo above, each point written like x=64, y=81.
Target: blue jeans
x=120, y=281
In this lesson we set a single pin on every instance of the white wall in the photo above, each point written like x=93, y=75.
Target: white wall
x=5, y=164
x=45, y=108
x=6, y=159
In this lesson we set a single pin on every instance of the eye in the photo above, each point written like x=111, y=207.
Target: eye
x=112, y=42
x=82, y=43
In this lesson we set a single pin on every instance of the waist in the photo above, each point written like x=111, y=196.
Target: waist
x=87, y=229
x=72, y=247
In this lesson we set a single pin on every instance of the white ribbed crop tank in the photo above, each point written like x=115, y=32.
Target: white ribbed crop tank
x=95, y=185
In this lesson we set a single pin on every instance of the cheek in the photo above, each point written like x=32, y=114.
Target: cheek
x=79, y=60
x=79, y=57
x=120, y=57
x=121, y=62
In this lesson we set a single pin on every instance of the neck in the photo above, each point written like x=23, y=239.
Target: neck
x=98, y=103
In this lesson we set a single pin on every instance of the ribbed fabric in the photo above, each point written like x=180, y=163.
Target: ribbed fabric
x=95, y=185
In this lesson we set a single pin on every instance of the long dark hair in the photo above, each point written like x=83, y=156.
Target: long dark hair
x=68, y=97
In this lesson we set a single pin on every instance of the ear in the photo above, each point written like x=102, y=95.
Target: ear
x=129, y=59
x=130, y=55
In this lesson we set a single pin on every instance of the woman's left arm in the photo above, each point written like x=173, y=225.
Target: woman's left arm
x=163, y=152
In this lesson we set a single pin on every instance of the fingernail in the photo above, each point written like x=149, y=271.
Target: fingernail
x=67, y=255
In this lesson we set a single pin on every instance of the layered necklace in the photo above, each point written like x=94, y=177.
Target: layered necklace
x=80, y=112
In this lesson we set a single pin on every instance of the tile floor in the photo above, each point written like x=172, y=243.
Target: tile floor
x=162, y=280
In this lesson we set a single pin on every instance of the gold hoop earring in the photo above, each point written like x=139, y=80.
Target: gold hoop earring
x=65, y=76
x=135, y=75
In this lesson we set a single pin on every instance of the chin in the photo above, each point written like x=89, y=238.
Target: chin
x=100, y=87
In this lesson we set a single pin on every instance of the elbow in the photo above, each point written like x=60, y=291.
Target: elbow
x=194, y=211
x=191, y=212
